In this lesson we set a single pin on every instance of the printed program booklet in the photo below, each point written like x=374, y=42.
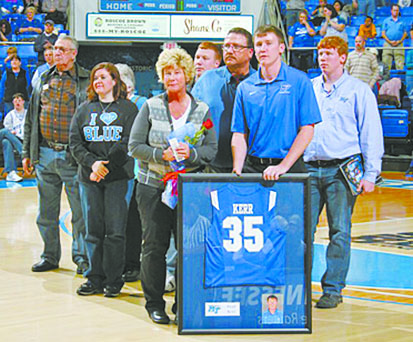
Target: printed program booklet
x=352, y=170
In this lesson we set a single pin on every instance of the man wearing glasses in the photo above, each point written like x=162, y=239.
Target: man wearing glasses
x=217, y=88
x=45, y=147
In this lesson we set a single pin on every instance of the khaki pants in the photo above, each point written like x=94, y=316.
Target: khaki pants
x=389, y=54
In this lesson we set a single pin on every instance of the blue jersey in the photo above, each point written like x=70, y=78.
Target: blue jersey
x=244, y=244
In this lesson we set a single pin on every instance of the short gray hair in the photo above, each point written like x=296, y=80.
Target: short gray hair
x=71, y=39
x=126, y=74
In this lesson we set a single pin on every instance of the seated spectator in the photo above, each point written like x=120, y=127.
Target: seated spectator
x=301, y=35
x=30, y=24
x=37, y=4
x=56, y=10
x=333, y=25
x=11, y=137
x=368, y=29
x=45, y=41
x=49, y=58
x=11, y=6
x=14, y=80
x=350, y=8
x=318, y=13
x=338, y=6
x=5, y=30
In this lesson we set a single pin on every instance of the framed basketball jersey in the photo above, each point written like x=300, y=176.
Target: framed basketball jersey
x=243, y=261
x=245, y=243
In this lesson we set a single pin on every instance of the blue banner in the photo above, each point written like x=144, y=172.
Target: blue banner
x=210, y=6
x=244, y=261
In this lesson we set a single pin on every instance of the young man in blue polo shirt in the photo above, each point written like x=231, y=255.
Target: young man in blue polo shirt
x=274, y=112
x=351, y=126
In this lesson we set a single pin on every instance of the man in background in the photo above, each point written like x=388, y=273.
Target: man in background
x=217, y=88
x=208, y=56
x=362, y=64
x=45, y=41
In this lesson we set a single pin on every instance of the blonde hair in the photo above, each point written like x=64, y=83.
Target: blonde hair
x=176, y=58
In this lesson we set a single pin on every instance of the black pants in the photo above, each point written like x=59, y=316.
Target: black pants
x=302, y=59
x=133, y=235
x=158, y=222
x=253, y=167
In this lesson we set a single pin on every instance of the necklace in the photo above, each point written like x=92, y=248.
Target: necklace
x=104, y=108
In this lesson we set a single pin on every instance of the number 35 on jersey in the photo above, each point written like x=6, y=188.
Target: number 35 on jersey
x=244, y=245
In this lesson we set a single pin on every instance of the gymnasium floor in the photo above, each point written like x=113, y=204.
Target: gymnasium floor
x=378, y=301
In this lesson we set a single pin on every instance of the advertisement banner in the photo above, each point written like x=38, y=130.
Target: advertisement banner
x=187, y=26
x=129, y=26
x=210, y=6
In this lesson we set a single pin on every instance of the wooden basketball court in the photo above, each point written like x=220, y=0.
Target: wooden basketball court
x=378, y=301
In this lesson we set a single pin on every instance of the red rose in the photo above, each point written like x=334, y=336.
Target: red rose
x=208, y=124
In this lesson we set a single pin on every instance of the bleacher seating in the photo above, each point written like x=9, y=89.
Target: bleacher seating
x=352, y=31
x=383, y=11
x=357, y=20
x=395, y=123
x=398, y=73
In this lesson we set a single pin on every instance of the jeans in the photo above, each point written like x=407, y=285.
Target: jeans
x=367, y=7
x=105, y=210
x=10, y=143
x=52, y=171
x=329, y=188
x=158, y=221
x=133, y=235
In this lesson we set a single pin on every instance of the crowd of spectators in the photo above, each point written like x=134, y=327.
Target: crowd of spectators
x=385, y=26
x=32, y=28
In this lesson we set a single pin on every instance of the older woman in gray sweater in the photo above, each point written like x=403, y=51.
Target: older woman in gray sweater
x=148, y=142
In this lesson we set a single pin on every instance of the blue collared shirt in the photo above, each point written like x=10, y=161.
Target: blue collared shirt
x=394, y=29
x=274, y=111
x=275, y=318
x=217, y=89
x=351, y=124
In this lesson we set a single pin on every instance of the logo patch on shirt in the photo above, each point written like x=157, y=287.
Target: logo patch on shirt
x=343, y=99
x=108, y=118
x=285, y=89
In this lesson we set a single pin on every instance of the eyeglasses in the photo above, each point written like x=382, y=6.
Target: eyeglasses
x=62, y=49
x=235, y=47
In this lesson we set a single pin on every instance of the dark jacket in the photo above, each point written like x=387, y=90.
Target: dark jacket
x=39, y=43
x=97, y=135
x=32, y=126
x=15, y=84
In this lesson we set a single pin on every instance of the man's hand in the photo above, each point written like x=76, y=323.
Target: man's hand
x=274, y=172
x=27, y=166
x=365, y=186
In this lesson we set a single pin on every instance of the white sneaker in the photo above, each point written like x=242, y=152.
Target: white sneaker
x=12, y=176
